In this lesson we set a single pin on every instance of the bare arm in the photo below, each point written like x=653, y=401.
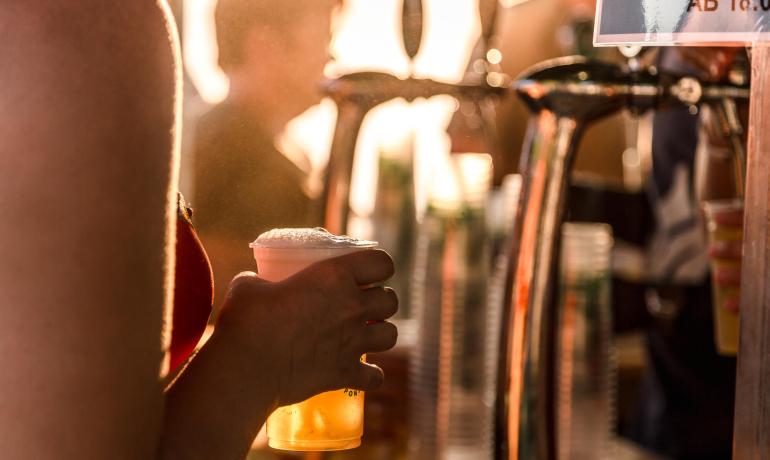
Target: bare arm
x=276, y=344
x=86, y=171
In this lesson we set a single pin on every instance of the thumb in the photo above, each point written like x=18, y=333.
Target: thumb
x=245, y=282
x=248, y=275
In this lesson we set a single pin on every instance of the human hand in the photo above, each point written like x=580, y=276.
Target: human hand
x=712, y=63
x=725, y=255
x=310, y=330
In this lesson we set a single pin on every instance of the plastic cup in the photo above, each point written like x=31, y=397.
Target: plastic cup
x=332, y=420
x=722, y=230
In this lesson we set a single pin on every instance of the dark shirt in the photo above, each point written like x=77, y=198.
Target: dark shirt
x=243, y=187
x=688, y=393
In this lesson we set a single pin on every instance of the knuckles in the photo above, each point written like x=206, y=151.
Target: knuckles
x=331, y=276
x=242, y=285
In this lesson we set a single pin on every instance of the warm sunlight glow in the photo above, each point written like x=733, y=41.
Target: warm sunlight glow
x=460, y=179
x=367, y=38
x=511, y=3
x=200, y=50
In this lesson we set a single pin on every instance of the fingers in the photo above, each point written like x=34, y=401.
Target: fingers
x=380, y=336
x=712, y=62
x=246, y=274
x=698, y=58
x=368, y=266
x=244, y=282
x=725, y=250
x=728, y=276
x=379, y=303
x=731, y=218
x=732, y=304
x=366, y=377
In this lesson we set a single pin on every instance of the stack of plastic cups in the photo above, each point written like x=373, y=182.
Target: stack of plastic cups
x=450, y=386
x=501, y=231
x=723, y=231
x=586, y=359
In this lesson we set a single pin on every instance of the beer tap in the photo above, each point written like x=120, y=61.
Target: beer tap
x=564, y=96
x=356, y=94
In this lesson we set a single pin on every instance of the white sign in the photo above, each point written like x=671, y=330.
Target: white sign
x=673, y=22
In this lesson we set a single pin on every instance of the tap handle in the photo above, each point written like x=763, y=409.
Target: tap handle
x=411, y=24
x=488, y=16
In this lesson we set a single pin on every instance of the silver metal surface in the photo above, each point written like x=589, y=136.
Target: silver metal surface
x=564, y=95
x=355, y=95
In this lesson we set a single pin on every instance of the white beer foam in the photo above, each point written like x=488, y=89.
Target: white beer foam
x=306, y=238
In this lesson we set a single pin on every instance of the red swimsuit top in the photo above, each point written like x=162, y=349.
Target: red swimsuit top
x=193, y=289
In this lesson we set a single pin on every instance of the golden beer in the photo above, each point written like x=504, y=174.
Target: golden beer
x=329, y=421
x=726, y=322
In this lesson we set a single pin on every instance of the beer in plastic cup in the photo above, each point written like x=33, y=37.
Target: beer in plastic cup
x=726, y=322
x=331, y=420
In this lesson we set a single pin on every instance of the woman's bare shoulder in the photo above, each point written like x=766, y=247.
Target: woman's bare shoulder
x=87, y=122
x=113, y=41
x=99, y=77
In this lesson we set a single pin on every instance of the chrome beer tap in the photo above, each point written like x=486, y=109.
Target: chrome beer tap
x=564, y=96
x=357, y=93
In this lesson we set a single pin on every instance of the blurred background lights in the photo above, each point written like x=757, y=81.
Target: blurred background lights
x=366, y=37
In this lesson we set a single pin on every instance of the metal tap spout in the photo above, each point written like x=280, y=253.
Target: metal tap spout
x=355, y=95
x=564, y=96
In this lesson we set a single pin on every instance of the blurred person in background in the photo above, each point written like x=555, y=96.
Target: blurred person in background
x=687, y=395
x=686, y=399
x=273, y=53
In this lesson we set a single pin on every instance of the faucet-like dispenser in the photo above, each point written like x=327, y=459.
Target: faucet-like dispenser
x=357, y=93
x=564, y=96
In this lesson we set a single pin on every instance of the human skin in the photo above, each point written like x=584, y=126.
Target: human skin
x=714, y=176
x=280, y=343
x=88, y=172
x=727, y=276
